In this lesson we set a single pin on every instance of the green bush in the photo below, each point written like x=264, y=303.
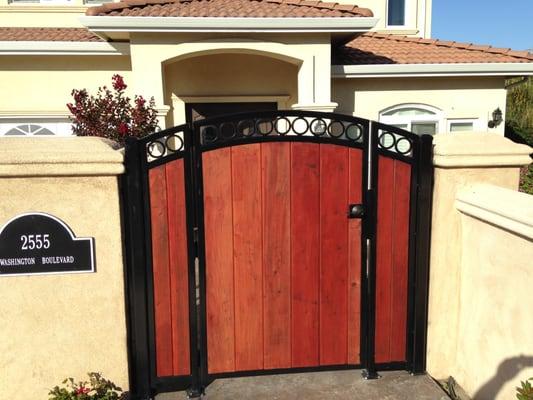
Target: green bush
x=97, y=388
x=525, y=391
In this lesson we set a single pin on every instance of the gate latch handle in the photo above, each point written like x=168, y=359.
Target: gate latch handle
x=356, y=211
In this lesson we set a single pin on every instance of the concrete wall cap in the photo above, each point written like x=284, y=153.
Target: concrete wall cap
x=502, y=207
x=66, y=156
x=478, y=150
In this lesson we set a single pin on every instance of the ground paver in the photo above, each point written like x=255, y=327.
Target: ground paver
x=331, y=385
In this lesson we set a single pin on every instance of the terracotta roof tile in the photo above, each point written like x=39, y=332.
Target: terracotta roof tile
x=374, y=48
x=228, y=8
x=47, y=34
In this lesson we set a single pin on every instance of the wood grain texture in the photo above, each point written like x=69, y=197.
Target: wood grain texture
x=275, y=166
x=160, y=268
x=402, y=181
x=305, y=253
x=354, y=258
x=247, y=248
x=218, y=220
x=178, y=262
x=334, y=254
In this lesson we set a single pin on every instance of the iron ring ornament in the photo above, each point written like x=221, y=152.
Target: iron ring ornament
x=395, y=142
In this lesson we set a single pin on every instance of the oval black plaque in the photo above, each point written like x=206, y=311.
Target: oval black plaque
x=38, y=243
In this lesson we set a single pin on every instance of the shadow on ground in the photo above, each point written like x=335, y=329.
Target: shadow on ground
x=338, y=385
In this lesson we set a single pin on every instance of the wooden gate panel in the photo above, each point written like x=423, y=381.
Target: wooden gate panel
x=247, y=245
x=305, y=253
x=220, y=281
x=275, y=166
x=170, y=269
x=392, y=259
x=334, y=166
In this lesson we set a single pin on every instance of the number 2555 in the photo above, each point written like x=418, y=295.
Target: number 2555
x=30, y=242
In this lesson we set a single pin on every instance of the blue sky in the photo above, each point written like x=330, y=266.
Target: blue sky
x=507, y=23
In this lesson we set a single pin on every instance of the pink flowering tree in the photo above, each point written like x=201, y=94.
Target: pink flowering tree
x=111, y=114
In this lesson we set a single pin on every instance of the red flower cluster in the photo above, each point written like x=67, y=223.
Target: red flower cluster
x=82, y=390
x=111, y=113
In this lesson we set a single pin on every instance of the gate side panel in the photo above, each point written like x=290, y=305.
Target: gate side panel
x=247, y=248
x=305, y=253
x=334, y=254
x=170, y=269
x=218, y=215
x=354, y=258
x=392, y=259
x=275, y=166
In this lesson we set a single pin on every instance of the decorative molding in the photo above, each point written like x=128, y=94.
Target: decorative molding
x=231, y=98
x=43, y=8
x=323, y=107
x=41, y=114
x=431, y=70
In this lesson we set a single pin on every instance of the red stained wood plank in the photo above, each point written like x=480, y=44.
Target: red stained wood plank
x=305, y=253
x=219, y=260
x=384, y=246
x=334, y=254
x=178, y=261
x=248, y=268
x=275, y=166
x=402, y=180
x=354, y=258
x=160, y=266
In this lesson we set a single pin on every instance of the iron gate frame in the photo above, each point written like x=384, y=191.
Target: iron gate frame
x=144, y=382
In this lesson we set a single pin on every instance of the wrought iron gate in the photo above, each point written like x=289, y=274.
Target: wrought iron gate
x=275, y=241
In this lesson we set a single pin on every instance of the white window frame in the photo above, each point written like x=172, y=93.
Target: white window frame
x=437, y=116
x=61, y=127
x=476, y=124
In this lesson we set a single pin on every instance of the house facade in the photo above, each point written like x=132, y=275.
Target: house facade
x=200, y=58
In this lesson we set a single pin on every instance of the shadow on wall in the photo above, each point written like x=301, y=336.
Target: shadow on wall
x=507, y=371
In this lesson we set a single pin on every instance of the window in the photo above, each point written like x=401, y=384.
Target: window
x=396, y=13
x=416, y=118
x=35, y=127
x=462, y=125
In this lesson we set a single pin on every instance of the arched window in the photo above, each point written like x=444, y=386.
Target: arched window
x=29, y=130
x=35, y=127
x=416, y=118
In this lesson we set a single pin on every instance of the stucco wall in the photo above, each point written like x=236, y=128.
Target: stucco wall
x=495, y=344
x=35, y=85
x=458, y=98
x=58, y=326
x=460, y=161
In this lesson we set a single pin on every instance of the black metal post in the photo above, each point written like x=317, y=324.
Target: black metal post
x=368, y=245
x=423, y=240
x=136, y=294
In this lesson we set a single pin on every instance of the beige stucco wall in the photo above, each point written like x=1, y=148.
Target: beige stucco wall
x=495, y=344
x=57, y=326
x=458, y=98
x=460, y=161
x=41, y=85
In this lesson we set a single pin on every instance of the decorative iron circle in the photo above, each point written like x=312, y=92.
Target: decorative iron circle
x=174, y=143
x=382, y=140
x=209, y=134
x=156, y=149
x=354, y=132
x=261, y=124
x=336, y=129
x=318, y=127
x=283, y=121
x=398, y=145
x=227, y=130
x=299, y=131
x=246, y=127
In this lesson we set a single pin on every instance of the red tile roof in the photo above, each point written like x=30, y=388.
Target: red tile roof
x=229, y=8
x=47, y=34
x=374, y=48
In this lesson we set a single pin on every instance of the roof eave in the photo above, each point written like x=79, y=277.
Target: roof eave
x=63, y=48
x=228, y=24
x=432, y=70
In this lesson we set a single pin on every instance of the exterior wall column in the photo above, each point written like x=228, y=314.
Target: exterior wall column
x=460, y=161
x=314, y=81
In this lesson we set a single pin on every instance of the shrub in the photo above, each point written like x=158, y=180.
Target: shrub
x=525, y=391
x=97, y=388
x=111, y=114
